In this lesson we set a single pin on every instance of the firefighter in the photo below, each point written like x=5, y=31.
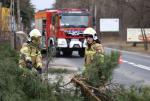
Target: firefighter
x=93, y=45
x=30, y=54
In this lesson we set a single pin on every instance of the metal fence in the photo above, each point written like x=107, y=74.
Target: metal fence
x=5, y=36
x=4, y=24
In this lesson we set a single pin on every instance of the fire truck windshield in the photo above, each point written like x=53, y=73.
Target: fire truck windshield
x=77, y=21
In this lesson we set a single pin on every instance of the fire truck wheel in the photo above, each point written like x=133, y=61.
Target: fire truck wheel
x=81, y=53
x=67, y=53
x=57, y=54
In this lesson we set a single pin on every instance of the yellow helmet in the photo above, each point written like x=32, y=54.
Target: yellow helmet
x=35, y=33
x=90, y=31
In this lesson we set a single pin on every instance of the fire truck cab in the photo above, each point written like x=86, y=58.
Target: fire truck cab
x=62, y=30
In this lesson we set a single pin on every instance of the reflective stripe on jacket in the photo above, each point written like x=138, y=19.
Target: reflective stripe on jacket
x=89, y=53
x=31, y=53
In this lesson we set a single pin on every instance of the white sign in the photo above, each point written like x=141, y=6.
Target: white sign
x=109, y=25
x=135, y=34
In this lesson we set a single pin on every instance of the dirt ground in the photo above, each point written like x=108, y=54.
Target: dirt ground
x=116, y=42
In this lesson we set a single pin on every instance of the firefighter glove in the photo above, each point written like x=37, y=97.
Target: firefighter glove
x=39, y=69
x=29, y=64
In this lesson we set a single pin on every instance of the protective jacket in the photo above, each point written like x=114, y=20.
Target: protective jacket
x=91, y=51
x=29, y=52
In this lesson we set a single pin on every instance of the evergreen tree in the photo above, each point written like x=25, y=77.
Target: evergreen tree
x=100, y=70
x=26, y=9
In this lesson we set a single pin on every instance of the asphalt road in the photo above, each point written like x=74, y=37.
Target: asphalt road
x=74, y=62
x=134, y=69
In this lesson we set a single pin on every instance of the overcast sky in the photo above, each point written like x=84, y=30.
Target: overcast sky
x=42, y=4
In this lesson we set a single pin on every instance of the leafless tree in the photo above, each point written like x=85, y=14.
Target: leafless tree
x=132, y=13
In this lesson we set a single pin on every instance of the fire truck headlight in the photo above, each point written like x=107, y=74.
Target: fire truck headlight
x=62, y=43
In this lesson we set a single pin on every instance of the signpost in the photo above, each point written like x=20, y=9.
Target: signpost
x=109, y=25
x=135, y=34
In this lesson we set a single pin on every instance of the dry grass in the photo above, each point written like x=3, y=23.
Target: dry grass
x=116, y=42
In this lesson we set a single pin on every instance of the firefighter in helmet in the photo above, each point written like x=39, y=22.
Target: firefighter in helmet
x=30, y=54
x=93, y=45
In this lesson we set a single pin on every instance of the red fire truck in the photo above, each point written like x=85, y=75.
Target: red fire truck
x=63, y=29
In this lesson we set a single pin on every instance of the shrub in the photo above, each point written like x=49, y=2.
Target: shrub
x=100, y=71
x=133, y=94
x=23, y=85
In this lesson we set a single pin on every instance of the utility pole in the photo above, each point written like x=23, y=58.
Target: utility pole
x=12, y=15
x=91, y=7
x=93, y=12
x=18, y=15
x=96, y=18
x=121, y=18
x=12, y=24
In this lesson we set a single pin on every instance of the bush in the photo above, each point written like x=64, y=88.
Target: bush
x=133, y=94
x=58, y=70
x=23, y=85
x=19, y=84
x=100, y=71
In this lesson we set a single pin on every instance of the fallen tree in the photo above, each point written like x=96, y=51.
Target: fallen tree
x=14, y=86
x=96, y=77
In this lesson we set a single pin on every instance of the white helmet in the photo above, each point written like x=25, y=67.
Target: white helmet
x=90, y=31
x=35, y=33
